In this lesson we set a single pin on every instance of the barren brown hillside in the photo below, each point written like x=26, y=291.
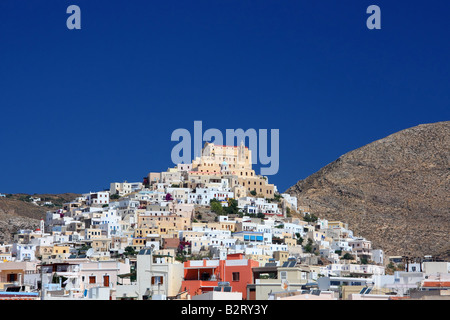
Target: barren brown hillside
x=17, y=213
x=394, y=191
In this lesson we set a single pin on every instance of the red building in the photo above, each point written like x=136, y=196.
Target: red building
x=201, y=276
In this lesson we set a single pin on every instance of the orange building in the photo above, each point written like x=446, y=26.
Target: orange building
x=201, y=276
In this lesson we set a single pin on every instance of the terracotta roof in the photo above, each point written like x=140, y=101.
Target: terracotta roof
x=171, y=243
x=436, y=284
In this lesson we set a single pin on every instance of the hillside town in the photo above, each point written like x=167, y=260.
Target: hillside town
x=211, y=229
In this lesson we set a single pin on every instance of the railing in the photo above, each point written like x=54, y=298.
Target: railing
x=243, y=262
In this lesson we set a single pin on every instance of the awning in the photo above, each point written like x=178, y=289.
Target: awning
x=125, y=275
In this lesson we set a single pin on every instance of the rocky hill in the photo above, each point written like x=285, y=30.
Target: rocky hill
x=394, y=191
x=18, y=212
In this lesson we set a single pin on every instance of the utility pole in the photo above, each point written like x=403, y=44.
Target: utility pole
x=42, y=282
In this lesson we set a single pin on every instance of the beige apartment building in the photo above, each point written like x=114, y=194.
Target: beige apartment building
x=93, y=233
x=281, y=256
x=226, y=159
x=293, y=277
x=167, y=226
x=221, y=225
x=233, y=163
x=101, y=244
x=259, y=185
x=261, y=258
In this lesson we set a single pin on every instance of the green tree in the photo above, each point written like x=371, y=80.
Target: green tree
x=232, y=207
x=83, y=249
x=299, y=238
x=129, y=251
x=310, y=218
x=260, y=215
x=347, y=256
x=216, y=206
x=309, y=246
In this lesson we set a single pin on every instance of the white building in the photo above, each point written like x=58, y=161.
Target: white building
x=203, y=196
x=156, y=278
x=24, y=252
x=97, y=198
x=123, y=188
x=110, y=222
x=293, y=229
x=181, y=195
x=341, y=245
x=433, y=267
x=102, y=274
x=153, y=196
x=253, y=205
x=352, y=269
x=361, y=247
x=291, y=200
x=378, y=256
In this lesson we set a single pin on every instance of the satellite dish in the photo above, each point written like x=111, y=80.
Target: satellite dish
x=90, y=252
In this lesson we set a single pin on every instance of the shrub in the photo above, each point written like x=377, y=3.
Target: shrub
x=310, y=218
x=347, y=256
x=216, y=207
x=232, y=207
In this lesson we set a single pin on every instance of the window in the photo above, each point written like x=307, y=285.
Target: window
x=91, y=279
x=157, y=280
x=106, y=281
x=235, y=276
x=11, y=277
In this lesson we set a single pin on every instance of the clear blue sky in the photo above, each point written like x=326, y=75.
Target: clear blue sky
x=82, y=108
